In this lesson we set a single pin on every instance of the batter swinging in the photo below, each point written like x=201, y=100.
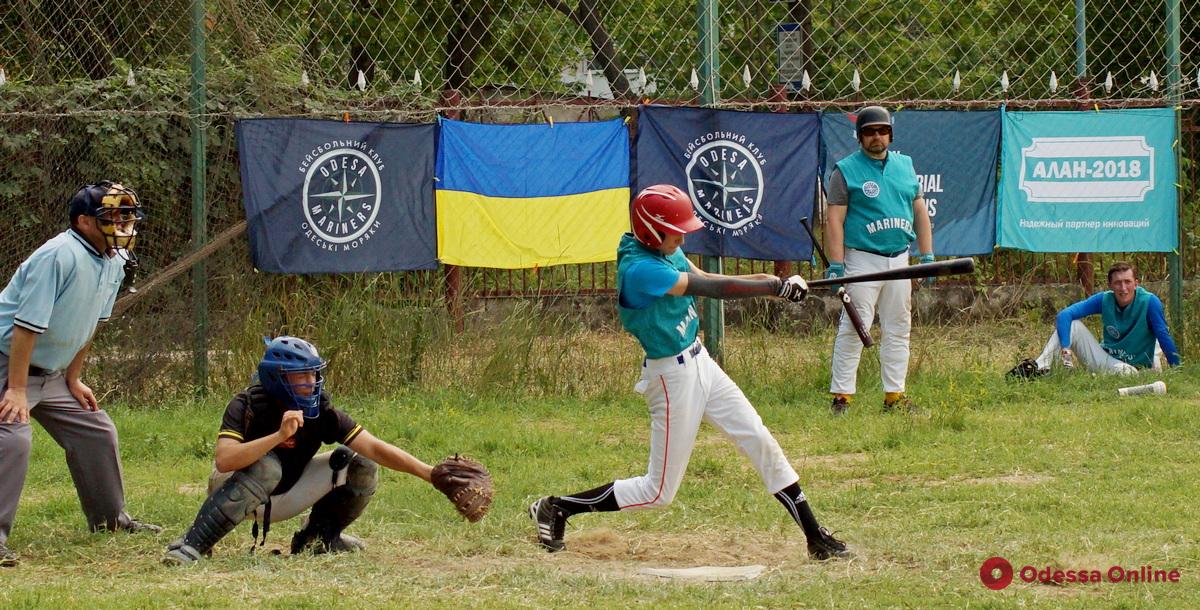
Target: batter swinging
x=656, y=288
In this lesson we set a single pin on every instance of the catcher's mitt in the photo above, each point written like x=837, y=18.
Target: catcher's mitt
x=466, y=483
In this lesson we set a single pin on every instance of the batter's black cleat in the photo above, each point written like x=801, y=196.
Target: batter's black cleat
x=825, y=546
x=551, y=523
x=840, y=405
x=1025, y=370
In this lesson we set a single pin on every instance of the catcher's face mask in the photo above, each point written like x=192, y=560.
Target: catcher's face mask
x=291, y=372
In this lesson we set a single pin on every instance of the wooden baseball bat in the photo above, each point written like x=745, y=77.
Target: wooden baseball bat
x=847, y=305
x=954, y=266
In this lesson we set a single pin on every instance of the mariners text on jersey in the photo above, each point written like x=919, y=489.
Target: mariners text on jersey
x=889, y=223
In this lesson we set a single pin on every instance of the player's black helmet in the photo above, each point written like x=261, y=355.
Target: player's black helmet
x=871, y=115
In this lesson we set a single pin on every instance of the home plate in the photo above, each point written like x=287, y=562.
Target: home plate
x=707, y=573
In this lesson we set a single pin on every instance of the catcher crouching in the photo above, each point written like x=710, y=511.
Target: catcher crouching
x=267, y=466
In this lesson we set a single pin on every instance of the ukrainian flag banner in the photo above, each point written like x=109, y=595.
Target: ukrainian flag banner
x=520, y=196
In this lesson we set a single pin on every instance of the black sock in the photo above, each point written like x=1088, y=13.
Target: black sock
x=599, y=500
x=797, y=506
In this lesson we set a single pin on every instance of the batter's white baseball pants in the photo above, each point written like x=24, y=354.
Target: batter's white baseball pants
x=892, y=300
x=1089, y=350
x=681, y=391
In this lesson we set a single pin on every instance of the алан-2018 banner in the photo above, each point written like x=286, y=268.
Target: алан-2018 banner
x=1089, y=181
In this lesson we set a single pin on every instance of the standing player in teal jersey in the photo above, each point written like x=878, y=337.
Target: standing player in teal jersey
x=875, y=211
x=656, y=290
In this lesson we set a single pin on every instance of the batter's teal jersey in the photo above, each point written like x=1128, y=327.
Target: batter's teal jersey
x=879, y=214
x=664, y=324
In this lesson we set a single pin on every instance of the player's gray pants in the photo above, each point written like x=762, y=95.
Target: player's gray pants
x=892, y=300
x=315, y=483
x=89, y=439
x=234, y=496
x=1089, y=350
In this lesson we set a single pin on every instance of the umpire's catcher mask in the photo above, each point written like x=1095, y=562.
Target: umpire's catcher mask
x=292, y=355
x=662, y=209
x=117, y=211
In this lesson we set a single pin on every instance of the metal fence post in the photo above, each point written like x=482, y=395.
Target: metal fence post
x=712, y=319
x=1175, y=96
x=199, y=211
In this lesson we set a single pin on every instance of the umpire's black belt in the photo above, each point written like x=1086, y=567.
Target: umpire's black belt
x=35, y=371
x=884, y=254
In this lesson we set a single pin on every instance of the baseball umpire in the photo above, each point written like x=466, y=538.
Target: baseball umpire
x=656, y=290
x=875, y=211
x=48, y=315
x=266, y=462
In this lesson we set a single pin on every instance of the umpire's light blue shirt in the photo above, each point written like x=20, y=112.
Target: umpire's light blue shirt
x=60, y=292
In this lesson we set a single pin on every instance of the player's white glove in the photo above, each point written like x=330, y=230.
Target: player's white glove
x=1068, y=358
x=793, y=289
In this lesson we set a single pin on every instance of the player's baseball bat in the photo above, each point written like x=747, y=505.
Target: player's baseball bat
x=954, y=266
x=863, y=334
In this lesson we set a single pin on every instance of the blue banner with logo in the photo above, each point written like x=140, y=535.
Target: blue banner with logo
x=751, y=176
x=1089, y=181
x=336, y=197
x=954, y=155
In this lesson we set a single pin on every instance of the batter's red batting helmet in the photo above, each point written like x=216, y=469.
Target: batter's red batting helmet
x=662, y=209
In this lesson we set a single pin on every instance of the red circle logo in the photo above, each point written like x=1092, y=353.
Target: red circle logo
x=987, y=573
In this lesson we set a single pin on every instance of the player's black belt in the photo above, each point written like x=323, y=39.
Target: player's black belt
x=885, y=254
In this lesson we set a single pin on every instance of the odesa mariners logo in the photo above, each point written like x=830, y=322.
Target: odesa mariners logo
x=342, y=193
x=870, y=189
x=725, y=181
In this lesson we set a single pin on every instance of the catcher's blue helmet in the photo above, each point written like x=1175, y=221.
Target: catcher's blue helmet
x=292, y=355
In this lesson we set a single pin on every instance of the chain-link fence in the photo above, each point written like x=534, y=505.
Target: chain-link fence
x=101, y=88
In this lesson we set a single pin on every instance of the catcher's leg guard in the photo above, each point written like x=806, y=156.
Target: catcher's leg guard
x=339, y=508
x=226, y=507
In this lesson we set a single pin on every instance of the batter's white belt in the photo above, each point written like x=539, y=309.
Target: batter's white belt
x=680, y=358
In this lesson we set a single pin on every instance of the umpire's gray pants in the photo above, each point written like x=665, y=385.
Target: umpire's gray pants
x=89, y=439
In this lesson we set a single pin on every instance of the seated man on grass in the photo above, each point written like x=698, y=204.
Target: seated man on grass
x=1135, y=331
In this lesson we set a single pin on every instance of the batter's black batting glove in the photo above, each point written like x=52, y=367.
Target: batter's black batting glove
x=794, y=289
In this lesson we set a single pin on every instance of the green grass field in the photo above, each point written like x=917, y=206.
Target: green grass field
x=1059, y=472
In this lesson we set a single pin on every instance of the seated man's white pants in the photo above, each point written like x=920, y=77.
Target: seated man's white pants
x=1089, y=350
